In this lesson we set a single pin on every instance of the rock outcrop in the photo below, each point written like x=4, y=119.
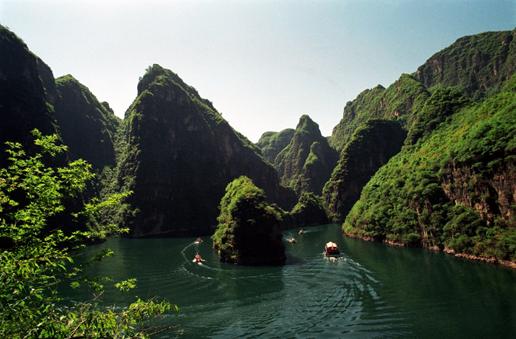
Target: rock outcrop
x=178, y=157
x=370, y=148
x=87, y=126
x=24, y=104
x=305, y=164
x=249, y=228
x=272, y=143
x=308, y=211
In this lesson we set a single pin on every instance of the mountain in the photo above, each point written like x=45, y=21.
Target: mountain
x=305, y=164
x=453, y=190
x=24, y=103
x=463, y=73
x=477, y=63
x=272, y=143
x=87, y=126
x=178, y=156
x=371, y=146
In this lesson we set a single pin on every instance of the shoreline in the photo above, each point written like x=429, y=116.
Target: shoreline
x=446, y=250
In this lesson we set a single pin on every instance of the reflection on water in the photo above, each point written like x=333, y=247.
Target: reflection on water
x=371, y=291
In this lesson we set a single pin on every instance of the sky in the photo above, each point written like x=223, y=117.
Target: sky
x=262, y=63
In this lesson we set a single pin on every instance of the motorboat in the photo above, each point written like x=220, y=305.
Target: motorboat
x=291, y=240
x=331, y=249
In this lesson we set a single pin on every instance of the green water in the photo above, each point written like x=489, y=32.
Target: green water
x=371, y=291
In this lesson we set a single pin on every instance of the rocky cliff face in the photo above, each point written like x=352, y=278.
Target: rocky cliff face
x=370, y=148
x=307, y=161
x=477, y=63
x=179, y=156
x=24, y=104
x=272, y=143
x=491, y=194
x=87, y=126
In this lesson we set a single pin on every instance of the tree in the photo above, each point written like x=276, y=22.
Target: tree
x=36, y=257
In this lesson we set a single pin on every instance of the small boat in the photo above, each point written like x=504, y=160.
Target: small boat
x=291, y=240
x=198, y=259
x=198, y=241
x=301, y=231
x=331, y=249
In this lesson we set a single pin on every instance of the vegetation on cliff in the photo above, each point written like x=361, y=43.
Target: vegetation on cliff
x=307, y=161
x=24, y=103
x=371, y=147
x=453, y=189
x=308, y=211
x=249, y=228
x=272, y=143
x=86, y=126
x=478, y=63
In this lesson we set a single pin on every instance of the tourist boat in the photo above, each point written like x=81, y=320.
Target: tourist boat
x=331, y=249
x=198, y=259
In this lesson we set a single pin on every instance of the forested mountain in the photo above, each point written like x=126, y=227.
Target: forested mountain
x=454, y=189
x=87, y=126
x=307, y=161
x=452, y=185
x=178, y=157
x=31, y=98
x=271, y=143
x=24, y=103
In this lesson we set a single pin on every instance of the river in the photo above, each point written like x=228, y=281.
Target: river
x=371, y=291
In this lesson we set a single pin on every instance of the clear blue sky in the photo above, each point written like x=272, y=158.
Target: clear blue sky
x=262, y=63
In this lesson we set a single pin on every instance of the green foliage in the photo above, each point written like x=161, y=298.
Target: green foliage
x=247, y=225
x=443, y=102
x=398, y=102
x=36, y=258
x=272, y=143
x=443, y=191
x=308, y=211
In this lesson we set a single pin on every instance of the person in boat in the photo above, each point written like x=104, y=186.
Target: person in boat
x=301, y=231
x=331, y=249
x=291, y=240
x=198, y=259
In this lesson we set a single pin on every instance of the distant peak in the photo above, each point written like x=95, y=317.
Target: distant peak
x=306, y=124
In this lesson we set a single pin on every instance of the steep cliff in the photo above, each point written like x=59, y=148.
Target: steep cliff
x=398, y=102
x=477, y=63
x=178, y=157
x=272, y=143
x=453, y=190
x=249, y=228
x=371, y=147
x=307, y=161
x=87, y=126
x=24, y=104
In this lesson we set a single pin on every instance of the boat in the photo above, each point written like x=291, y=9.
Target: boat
x=198, y=259
x=198, y=241
x=331, y=249
x=301, y=231
x=291, y=240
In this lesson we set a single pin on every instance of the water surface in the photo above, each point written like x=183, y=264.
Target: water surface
x=371, y=291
